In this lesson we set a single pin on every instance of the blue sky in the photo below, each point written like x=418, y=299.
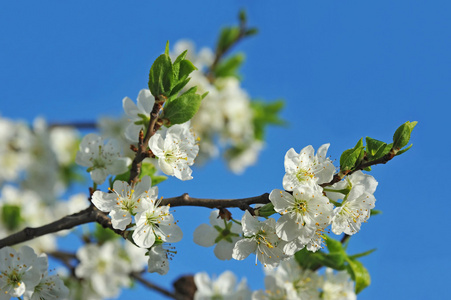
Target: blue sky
x=347, y=69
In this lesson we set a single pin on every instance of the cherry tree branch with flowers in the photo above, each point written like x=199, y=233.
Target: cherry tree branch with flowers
x=285, y=229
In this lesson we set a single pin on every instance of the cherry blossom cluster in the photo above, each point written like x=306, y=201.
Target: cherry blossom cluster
x=27, y=155
x=290, y=281
x=287, y=281
x=226, y=112
x=105, y=269
x=24, y=274
x=153, y=224
x=306, y=209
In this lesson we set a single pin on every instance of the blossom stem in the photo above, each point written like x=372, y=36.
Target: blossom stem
x=142, y=151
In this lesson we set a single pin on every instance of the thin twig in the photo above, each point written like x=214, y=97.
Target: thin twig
x=137, y=276
x=364, y=164
x=79, y=125
x=142, y=151
x=243, y=203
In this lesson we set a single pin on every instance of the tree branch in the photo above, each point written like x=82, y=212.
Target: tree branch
x=364, y=164
x=92, y=214
x=137, y=276
x=78, y=125
x=85, y=216
x=243, y=203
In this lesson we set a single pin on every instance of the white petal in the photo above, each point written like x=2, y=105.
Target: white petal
x=130, y=108
x=281, y=200
x=287, y=229
x=104, y=201
x=205, y=235
x=143, y=235
x=291, y=161
x=145, y=101
x=120, y=219
x=243, y=248
x=99, y=175
x=132, y=132
x=250, y=224
x=224, y=249
x=156, y=144
x=172, y=233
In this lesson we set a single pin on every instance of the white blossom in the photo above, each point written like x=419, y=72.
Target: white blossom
x=340, y=189
x=338, y=286
x=135, y=256
x=259, y=238
x=138, y=115
x=22, y=208
x=307, y=168
x=302, y=214
x=222, y=233
x=49, y=288
x=104, y=268
x=159, y=260
x=20, y=271
x=355, y=209
x=245, y=158
x=298, y=283
x=43, y=164
x=274, y=290
x=224, y=287
x=64, y=143
x=176, y=150
x=225, y=113
x=101, y=160
x=125, y=201
x=155, y=222
x=14, y=149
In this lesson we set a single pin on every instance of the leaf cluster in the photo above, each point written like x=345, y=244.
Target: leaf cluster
x=337, y=259
x=166, y=80
x=375, y=151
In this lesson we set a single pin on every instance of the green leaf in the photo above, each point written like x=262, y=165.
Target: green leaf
x=265, y=210
x=176, y=64
x=373, y=146
x=402, y=135
x=334, y=246
x=383, y=151
x=306, y=259
x=11, y=216
x=177, y=88
x=359, y=274
x=103, y=235
x=181, y=57
x=227, y=37
x=251, y=31
x=229, y=67
x=352, y=157
x=266, y=114
x=331, y=260
x=147, y=168
x=186, y=67
x=404, y=150
x=161, y=78
x=242, y=16
x=166, y=49
x=375, y=212
x=362, y=254
x=183, y=108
